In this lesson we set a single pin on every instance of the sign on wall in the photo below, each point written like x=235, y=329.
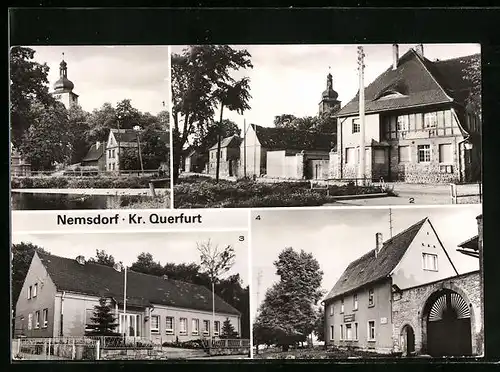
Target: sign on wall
x=383, y=320
x=349, y=318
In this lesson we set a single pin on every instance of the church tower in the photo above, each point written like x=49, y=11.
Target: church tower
x=63, y=88
x=329, y=102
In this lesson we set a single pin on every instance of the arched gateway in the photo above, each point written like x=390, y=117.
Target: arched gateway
x=448, y=322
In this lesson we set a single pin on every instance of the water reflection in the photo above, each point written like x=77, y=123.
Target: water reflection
x=36, y=201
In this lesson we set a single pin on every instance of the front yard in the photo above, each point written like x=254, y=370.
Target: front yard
x=317, y=352
x=204, y=192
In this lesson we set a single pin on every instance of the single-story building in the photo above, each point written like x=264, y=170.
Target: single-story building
x=96, y=156
x=59, y=295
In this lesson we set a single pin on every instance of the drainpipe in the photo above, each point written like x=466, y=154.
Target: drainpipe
x=341, y=149
x=466, y=139
x=62, y=314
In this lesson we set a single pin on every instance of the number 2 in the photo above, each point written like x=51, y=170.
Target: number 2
x=412, y=201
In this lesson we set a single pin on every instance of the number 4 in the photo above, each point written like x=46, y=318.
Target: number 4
x=258, y=217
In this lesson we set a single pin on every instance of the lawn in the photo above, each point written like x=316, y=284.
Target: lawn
x=204, y=192
x=318, y=352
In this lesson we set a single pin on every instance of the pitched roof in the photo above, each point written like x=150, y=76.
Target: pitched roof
x=368, y=268
x=472, y=243
x=94, y=153
x=293, y=139
x=417, y=81
x=231, y=141
x=142, y=289
x=130, y=135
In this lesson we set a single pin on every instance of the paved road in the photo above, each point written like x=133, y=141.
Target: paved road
x=412, y=194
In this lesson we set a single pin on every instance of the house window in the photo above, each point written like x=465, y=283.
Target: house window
x=342, y=306
x=355, y=302
x=403, y=123
x=37, y=319
x=183, y=325
x=445, y=153
x=45, y=318
x=371, y=297
x=371, y=330
x=349, y=155
x=331, y=310
x=30, y=321
x=379, y=156
x=35, y=289
x=331, y=333
x=356, y=125
x=169, y=325
x=348, y=331
x=195, y=326
x=424, y=153
x=356, y=331
x=216, y=328
x=206, y=327
x=430, y=120
x=341, y=332
x=430, y=261
x=30, y=290
x=404, y=154
x=155, y=324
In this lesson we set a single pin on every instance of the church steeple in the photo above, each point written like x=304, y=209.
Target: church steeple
x=63, y=84
x=329, y=97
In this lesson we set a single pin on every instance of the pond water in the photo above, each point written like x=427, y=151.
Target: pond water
x=37, y=201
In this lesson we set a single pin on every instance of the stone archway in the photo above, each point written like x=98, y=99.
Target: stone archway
x=447, y=324
x=407, y=340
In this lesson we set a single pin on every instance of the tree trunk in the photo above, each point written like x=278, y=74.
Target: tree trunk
x=177, y=149
x=219, y=140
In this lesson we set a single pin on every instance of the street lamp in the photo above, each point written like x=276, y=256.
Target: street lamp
x=137, y=130
x=119, y=117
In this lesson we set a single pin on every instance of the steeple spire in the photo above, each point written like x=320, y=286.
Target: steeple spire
x=63, y=70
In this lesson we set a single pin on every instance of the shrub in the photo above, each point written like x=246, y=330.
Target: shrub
x=82, y=182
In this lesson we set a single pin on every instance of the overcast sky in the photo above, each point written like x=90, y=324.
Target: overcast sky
x=338, y=237
x=111, y=73
x=289, y=79
x=165, y=247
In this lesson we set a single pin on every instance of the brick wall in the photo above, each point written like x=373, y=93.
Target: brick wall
x=409, y=309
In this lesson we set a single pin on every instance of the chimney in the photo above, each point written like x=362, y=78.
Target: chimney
x=420, y=50
x=80, y=260
x=378, y=243
x=395, y=56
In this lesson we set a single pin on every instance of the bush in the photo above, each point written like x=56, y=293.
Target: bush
x=82, y=182
x=192, y=344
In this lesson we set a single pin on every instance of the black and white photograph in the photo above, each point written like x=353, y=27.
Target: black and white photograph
x=367, y=283
x=130, y=296
x=326, y=125
x=89, y=127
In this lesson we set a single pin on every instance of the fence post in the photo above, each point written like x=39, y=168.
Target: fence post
x=152, y=189
x=73, y=350
x=48, y=354
x=453, y=193
x=97, y=349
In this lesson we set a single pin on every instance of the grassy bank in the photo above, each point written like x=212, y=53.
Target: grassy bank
x=158, y=202
x=83, y=182
x=317, y=353
x=203, y=192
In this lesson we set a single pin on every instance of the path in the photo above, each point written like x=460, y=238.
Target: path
x=93, y=191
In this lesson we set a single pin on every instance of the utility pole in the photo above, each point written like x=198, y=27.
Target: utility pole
x=245, y=148
x=390, y=222
x=361, y=70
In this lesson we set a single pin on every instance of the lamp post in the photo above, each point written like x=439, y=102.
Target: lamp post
x=361, y=69
x=137, y=130
x=119, y=117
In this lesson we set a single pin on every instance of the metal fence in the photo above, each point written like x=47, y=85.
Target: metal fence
x=92, y=173
x=229, y=343
x=122, y=342
x=62, y=348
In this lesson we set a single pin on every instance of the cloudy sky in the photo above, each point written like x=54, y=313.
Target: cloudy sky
x=289, y=79
x=111, y=73
x=336, y=238
x=165, y=247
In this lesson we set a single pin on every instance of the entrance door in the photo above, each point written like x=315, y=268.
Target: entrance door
x=449, y=326
x=410, y=341
x=129, y=325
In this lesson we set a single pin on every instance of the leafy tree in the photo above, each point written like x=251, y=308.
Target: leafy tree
x=103, y=319
x=127, y=115
x=101, y=257
x=228, y=330
x=154, y=151
x=473, y=75
x=200, y=79
x=163, y=118
x=22, y=254
x=28, y=85
x=100, y=122
x=47, y=140
x=287, y=315
x=320, y=124
x=145, y=264
x=235, y=97
x=319, y=326
x=78, y=128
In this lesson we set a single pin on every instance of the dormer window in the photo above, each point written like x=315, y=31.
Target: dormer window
x=390, y=94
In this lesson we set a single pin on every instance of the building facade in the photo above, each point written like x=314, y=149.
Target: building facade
x=406, y=296
x=63, y=87
x=229, y=157
x=419, y=126
x=96, y=157
x=59, y=295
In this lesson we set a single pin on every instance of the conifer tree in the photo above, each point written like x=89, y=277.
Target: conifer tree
x=103, y=319
x=228, y=330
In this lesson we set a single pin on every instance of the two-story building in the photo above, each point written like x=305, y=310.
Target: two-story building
x=405, y=296
x=419, y=124
x=59, y=295
x=229, y=157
